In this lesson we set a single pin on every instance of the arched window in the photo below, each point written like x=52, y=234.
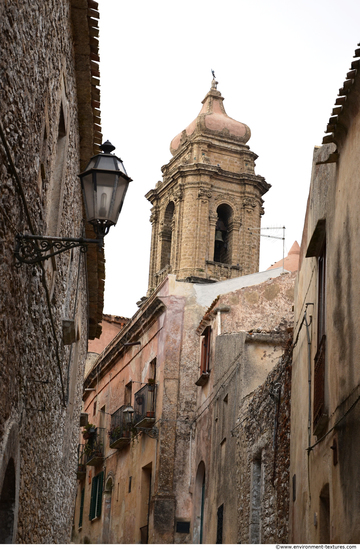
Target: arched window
x=7, y=505
x=199, y=501
x=324, y=518
x=223, y=236
x=166, y=235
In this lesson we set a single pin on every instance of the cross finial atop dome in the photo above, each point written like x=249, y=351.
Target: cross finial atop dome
x=214, y=82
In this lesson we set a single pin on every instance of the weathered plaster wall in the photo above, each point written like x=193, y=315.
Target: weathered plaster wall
x=109, y=395
x=234, y=420
x=111, y=326
x=41, y=386
x=331, y=198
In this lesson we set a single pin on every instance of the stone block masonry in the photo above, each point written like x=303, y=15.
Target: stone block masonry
x=41, y=377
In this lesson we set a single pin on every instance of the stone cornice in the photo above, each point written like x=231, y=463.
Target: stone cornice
x=201, y=170
x=146, y=315
x=84, y=16
x=346, y=104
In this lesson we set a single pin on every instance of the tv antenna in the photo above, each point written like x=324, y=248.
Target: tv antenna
x=258, y=230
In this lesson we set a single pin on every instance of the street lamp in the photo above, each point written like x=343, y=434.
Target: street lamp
x=104, y=184
x=128, y=412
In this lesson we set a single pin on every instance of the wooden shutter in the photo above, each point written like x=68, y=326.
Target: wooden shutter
x=93, y=498
x=99, y=494
x=205, y=351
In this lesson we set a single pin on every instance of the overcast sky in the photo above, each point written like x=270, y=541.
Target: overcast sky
x=279, y=64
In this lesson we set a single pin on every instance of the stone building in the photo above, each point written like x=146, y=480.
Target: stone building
x=325, y=439
x=240, y=429
x=168, y=452
x=49, y=128
x=139, y=478
x=208, y=200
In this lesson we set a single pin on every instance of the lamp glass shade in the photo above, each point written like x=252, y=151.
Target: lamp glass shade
x=104, y=183
x=128, y=412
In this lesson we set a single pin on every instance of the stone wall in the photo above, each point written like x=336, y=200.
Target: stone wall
x=40, y=393
x=263, y=459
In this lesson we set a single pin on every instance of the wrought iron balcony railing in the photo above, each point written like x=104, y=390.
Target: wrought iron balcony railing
x=95, y=448
x=119, y=430
x=144, y=406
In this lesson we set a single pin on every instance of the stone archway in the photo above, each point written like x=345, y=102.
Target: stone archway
x=9, y=482
x=7, y=504
x=106, y=533
x=199, y=500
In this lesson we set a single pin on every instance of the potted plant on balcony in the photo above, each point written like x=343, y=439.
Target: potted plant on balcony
x=116, y=433
x=89, y=431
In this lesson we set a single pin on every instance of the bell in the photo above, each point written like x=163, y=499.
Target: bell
x=218, y=236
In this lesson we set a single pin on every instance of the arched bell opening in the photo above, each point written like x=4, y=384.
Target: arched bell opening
x=166, y=236
x=7, y=504
x=223, y=235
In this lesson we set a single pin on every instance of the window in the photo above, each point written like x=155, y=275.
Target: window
x=324, y=509
x=166, y=236
x=321, y=293
x=319, y=367
x=128, y=393
x=56, y=186
x=199, y=504
x=205, y=351
x=152, y=369
x=220, y=521
x=96, y=496
x=317, y=249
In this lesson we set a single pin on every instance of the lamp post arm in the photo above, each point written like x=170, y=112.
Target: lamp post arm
x=32, y=249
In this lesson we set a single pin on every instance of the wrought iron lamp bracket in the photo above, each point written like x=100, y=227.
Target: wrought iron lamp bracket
x=33, y=249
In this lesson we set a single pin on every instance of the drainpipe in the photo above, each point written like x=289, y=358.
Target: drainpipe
x=190, y=457
x=309, y=373
x=218, y=311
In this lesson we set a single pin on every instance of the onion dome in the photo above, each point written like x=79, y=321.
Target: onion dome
x=213, y=120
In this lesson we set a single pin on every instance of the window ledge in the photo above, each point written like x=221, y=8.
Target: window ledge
x=203, y=379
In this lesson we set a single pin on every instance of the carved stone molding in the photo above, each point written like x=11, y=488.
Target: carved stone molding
x=204, y=193
x=154, y=217
x=176, y=194
x=249, y=204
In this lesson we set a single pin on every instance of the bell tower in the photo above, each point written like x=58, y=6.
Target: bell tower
x=207, y=201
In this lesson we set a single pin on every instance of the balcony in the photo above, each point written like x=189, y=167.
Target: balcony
x=81, y=469
x=94, y=448
x=119, y=430
x=144, y=407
